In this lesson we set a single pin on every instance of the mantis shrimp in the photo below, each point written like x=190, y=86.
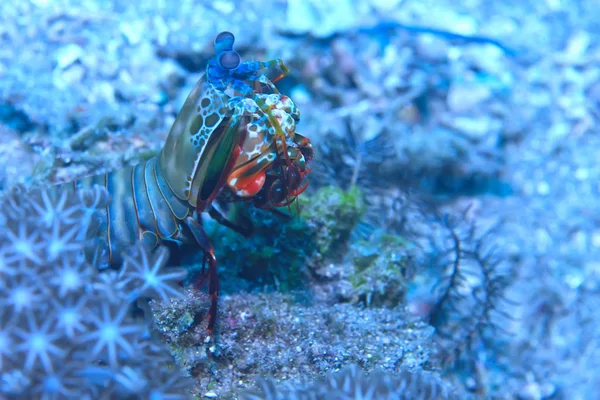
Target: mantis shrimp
x=234, y=140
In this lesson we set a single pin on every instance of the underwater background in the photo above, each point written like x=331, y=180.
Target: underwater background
x=448, y=245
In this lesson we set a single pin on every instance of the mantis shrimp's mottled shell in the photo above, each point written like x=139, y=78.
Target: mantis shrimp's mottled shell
x=213, y=130
x=192, y=138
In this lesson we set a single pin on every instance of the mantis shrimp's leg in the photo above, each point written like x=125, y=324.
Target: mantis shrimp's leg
x=213, y=277
x=220, y=218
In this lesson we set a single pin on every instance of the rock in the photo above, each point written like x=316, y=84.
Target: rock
x=536, y=391
x=225, y=7
x=322, y=18
x=67, y=55
x=161, y=30
x=300, y=94
x=500, y=26
x=432, y=48
x=463, y=24
x=464, y=96
x=102, y=91
x=15, y=118
x=16, y=157
x=476, y=128
x=577, y=46
x=486, y=57
x=63, y=79
x=133, y=31
x=385, y=5
x=73, y=74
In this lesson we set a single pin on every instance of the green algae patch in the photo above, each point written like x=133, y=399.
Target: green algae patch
x=331, y=214
x=383, y=268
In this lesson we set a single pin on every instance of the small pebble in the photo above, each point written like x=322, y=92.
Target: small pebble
x=225, y=7
x=432, y=47
x=474, y=128
x=67, y=55
x=464, y=97
x=133, y=31
x=543, y=188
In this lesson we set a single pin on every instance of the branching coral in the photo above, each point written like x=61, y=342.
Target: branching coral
x=351, y=158
x=470, y=302
x=67, y=330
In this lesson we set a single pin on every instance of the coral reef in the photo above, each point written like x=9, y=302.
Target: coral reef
x=352, y=384
x=471, y=308
x=66, y=330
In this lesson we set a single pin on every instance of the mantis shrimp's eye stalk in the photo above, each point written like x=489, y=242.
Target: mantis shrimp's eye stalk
x=229, y=60
x=224, y=42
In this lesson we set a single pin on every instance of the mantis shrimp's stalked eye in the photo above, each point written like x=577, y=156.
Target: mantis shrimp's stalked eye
x=224, y=42
x=226, y=57
x=229, y=60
